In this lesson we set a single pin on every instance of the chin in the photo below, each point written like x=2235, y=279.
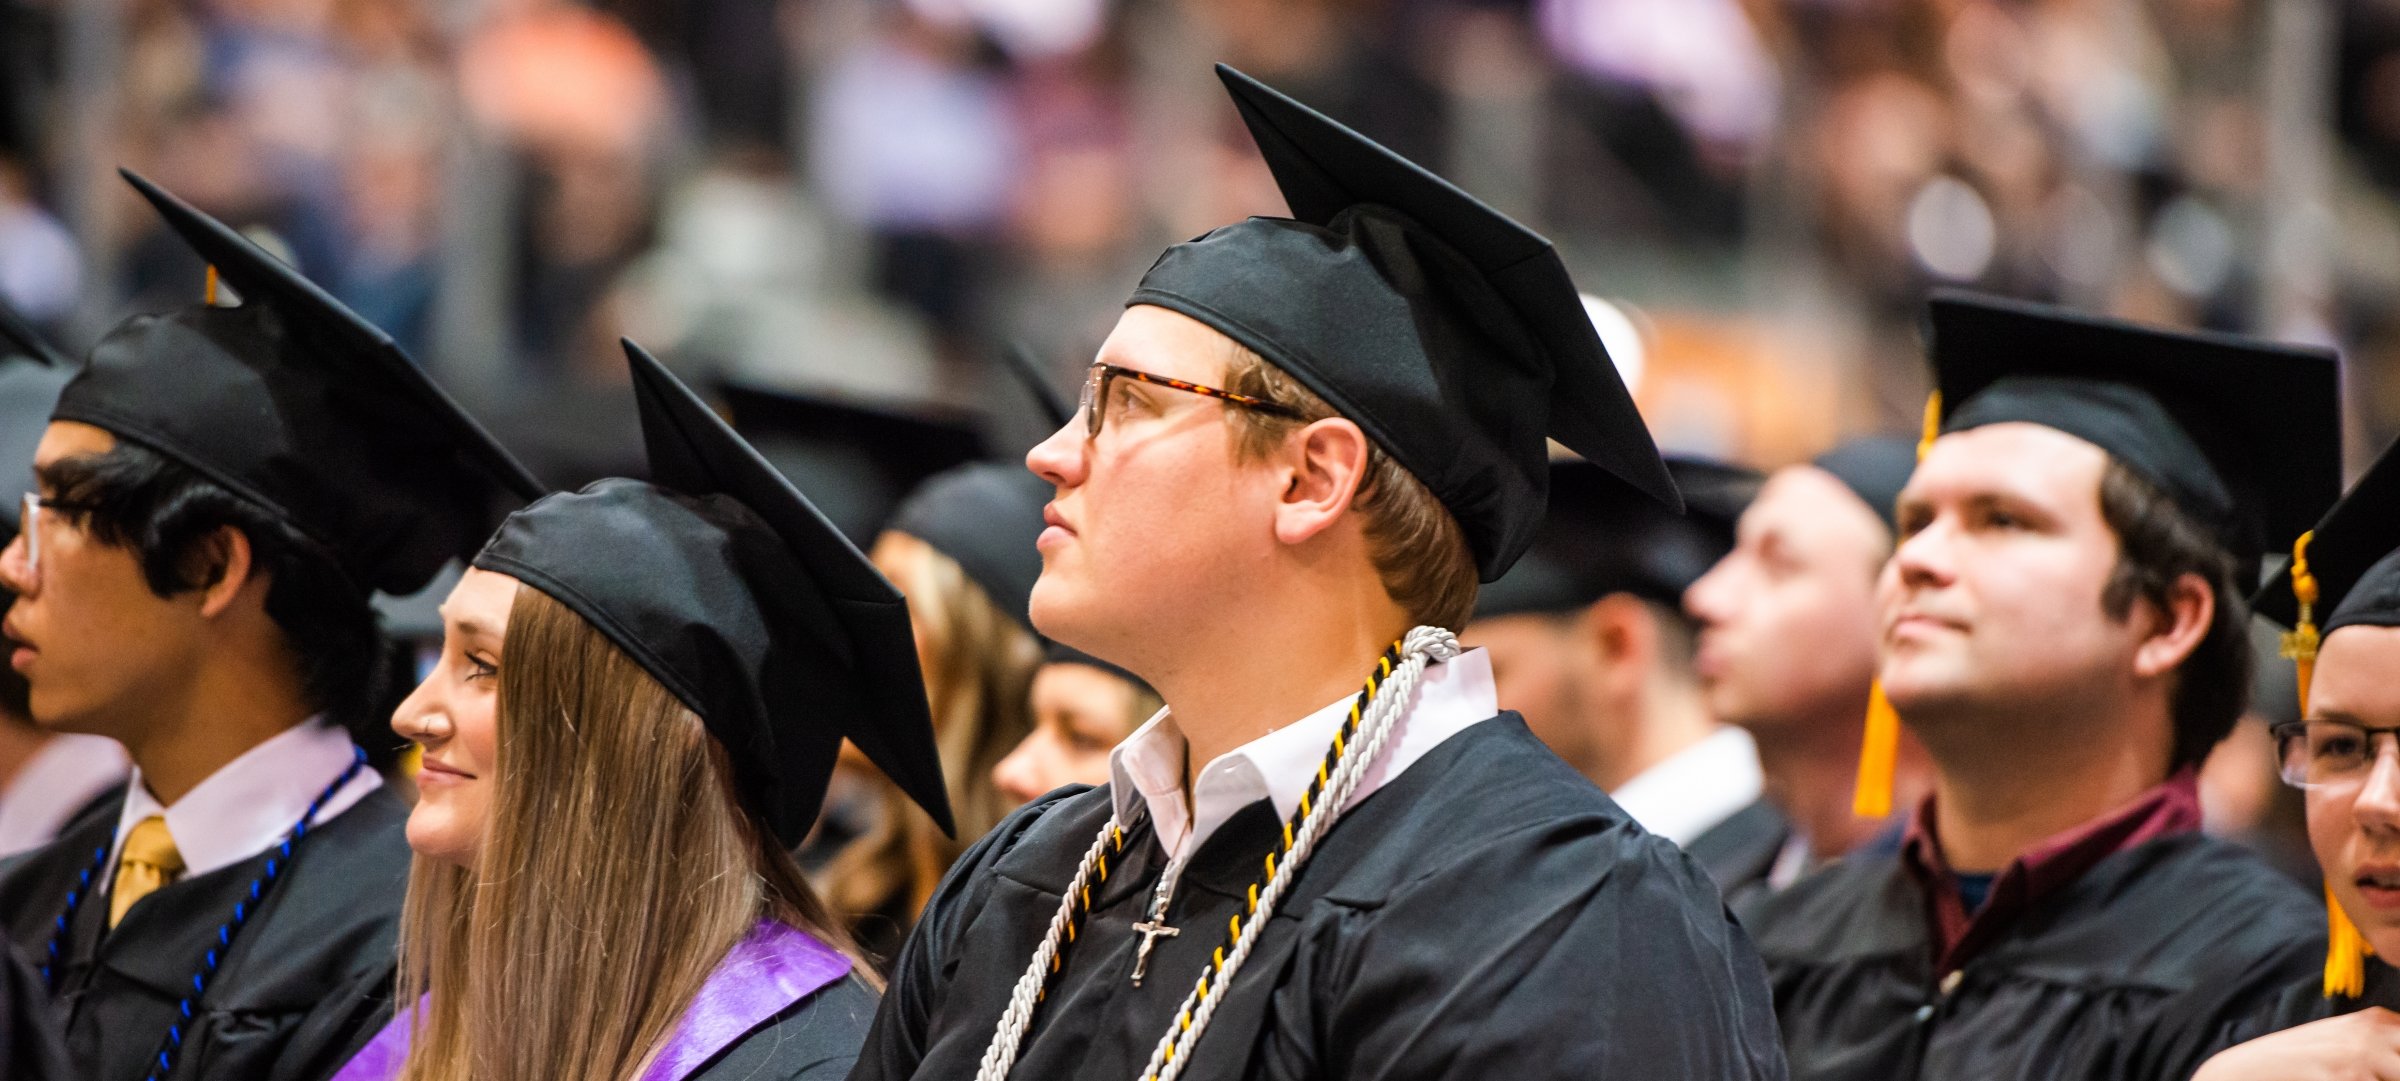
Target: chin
x=433, y=833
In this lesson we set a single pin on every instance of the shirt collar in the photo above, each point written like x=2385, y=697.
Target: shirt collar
x=252, y=801
x=1696, y=788
x=2170, y=809
x=1147, y=769
x=61, y=778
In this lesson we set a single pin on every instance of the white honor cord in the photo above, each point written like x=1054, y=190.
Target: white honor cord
x=1421, y=647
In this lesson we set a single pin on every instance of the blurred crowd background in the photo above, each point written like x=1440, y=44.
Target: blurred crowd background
x=869, y=196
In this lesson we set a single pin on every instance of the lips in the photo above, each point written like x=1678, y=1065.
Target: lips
x=435, y=772
x=2379, y=885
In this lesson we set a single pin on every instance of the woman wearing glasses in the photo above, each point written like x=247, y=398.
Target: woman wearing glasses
x=2345, y=755
x=642, y=692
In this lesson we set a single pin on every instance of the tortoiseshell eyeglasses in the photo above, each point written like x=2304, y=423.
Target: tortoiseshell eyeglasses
x=1094, y=406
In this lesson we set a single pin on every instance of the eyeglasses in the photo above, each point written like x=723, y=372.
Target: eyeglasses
x=29, y=526
x=2328, y=754
x=1094, y=406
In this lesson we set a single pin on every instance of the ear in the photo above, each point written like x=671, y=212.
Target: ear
x=2184, y=619
x=1620, y=633
x=226, y=569
x=1322, y=466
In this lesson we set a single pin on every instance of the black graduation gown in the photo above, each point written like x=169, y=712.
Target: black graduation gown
x=1740, y=852
x=817, y=1039
x=2128, y=972
x=29, y=1044
x=1488, y=914
x=303, y=987
x=2305, y=1001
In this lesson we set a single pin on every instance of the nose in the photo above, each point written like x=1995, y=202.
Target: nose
x=1013, y=775
x=16, y=572
x=1060, y=458
x=2377, y=805
x=1923, y=559
x=1704, y=600
x=420, y=718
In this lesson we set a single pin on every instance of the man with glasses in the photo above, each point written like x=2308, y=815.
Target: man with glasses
x=2344, y=754
x=1330, y=855
x=220, y=487
x=2063, y=627
x=47, y=779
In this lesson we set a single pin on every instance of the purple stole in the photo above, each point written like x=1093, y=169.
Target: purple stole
x=766, y=972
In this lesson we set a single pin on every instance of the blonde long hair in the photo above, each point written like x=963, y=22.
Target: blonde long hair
x=978, y=664
x=617, y=870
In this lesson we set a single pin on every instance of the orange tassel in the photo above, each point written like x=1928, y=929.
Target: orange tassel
x=2346, y=951
x=2300, y=645
x=209, y=297
x=1878, y=756
x=1933, y=424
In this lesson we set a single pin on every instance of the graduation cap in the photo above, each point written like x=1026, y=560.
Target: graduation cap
x=1601, y=537
x=1023, y=363
x=722, y=581
x=2242, y=434
x=1449, y=333
x=856, y=459
x=31, y=373
x=1874, y=468
x=293, y=402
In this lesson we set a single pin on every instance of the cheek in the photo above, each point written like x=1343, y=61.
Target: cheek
x=477, y=722
x=2331, y=826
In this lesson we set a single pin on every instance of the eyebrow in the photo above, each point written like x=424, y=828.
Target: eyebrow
x=470, y=626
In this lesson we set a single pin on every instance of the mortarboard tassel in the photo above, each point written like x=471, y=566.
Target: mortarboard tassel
x=1879, y=752
x=2346, y=951
x=1878, y=755
x=2300, y=645
x=209, y=293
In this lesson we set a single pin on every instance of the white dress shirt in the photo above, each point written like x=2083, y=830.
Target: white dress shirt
x=1451, y=697
x=61, y=778
x=253, y=800
x=1696, y=788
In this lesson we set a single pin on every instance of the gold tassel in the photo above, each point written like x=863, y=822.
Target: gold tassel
x=209, y=296
x=1933, y=424
x=1879, y=752
x=2346, y=951
x=2300, y=645
x=1878, y=755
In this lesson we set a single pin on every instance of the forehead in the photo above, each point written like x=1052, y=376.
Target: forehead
x=71, y=439
x=482, y=599
x=1159, y=341
x=2016, y=459
x=1805, y=502
x=2353, y=675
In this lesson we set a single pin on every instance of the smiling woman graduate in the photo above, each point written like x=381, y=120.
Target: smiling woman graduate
x=642, y=691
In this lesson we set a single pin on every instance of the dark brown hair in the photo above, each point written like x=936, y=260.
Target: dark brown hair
x=2158, y=543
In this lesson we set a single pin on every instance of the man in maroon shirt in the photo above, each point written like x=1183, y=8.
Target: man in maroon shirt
x=2063, y=628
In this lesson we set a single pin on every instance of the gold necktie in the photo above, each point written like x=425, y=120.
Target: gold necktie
x=147, y=862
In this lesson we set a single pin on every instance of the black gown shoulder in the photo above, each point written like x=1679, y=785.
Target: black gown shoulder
x=817, y=1039
x=1487, y=914
x=2131, y=971
x=1740, y=852
x=305, y=984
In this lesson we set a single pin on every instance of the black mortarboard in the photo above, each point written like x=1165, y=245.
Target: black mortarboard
x=28, y=389
x=1874, y=468
x=1450, y=334
x=720, y=579
x=2244, y=435
x=1023, y=363
x=295, y=403
x=18, y=338
x=856, y=460
x=2353, y=557
x=1601, y=538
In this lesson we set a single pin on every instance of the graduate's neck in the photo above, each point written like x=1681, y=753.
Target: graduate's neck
x=1288, y=659
x=235, y=698
x=2006, y=781
x=19, y=742
x=1663, y=717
